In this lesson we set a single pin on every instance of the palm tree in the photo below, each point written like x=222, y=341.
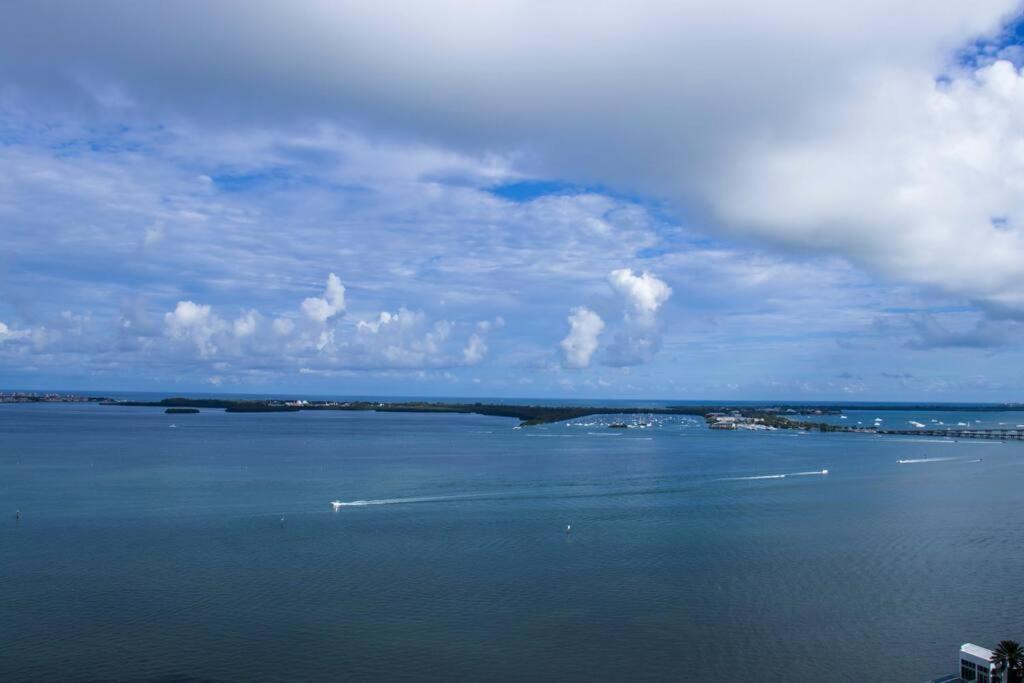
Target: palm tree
x=1009, y=659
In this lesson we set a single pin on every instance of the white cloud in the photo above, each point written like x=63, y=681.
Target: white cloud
x=840, y=139
x=246, y=325
x=322, y=309
x=196, y=323
x=403, y=339
x=640, y=336
x=402, y=320
x=8, y=334
x=585, y=327
x=841, y=142
x=643, y=293
x=475, y=350
x=283, y=326
x=918, y=180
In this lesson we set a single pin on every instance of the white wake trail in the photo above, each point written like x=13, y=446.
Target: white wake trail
x=399, y=501
x=777, y=476
x=914, y=461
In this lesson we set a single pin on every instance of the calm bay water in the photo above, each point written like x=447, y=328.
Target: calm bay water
x=148, y=551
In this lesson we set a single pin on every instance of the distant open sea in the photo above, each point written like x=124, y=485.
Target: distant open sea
x=204, y=547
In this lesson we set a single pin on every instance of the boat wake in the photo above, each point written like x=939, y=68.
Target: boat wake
x=920, y=441
x=400, y=501
x=813, y=473
x=338, y=504
x=915, y=461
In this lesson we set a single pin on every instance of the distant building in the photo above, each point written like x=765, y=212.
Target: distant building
x=976, y=664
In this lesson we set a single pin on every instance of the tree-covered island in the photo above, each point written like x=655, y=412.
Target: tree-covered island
x=723, y=416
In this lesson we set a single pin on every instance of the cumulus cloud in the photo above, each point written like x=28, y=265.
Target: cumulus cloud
x=476, y=349
x=403, y=339
x=246, y=324
x=872, y=138
x=585, y=327
x=636, y=339
x=644, y=293
x=196, y=323
x=640, y=336
x=322, y=309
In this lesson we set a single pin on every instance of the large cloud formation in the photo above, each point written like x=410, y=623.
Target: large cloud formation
x=642, y=296
x=824, y=127
x=219, y=153
x=320, y=342
x=636, y=339
x=921, y=181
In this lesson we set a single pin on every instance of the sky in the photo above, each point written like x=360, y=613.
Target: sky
x=673, y=200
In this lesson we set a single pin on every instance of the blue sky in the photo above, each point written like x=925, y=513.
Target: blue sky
x=703, y=200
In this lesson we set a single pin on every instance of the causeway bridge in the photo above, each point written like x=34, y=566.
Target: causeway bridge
x=1016, y=433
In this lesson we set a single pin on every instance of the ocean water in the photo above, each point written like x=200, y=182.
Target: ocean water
x=209, y=550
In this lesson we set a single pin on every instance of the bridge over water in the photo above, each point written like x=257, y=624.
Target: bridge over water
x=1016, y=433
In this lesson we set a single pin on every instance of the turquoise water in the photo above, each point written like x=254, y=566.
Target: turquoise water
x=147, y=551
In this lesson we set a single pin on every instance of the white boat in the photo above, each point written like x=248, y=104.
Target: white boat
x=336, y=504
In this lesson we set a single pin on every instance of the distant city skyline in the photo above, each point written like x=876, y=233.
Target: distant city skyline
x=514, y=200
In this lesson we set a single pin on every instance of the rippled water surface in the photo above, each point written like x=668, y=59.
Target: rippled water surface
x=209, y=550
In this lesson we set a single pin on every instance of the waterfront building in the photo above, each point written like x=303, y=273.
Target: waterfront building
x=976, y=665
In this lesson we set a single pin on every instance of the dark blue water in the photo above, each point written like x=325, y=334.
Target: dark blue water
x=152, y=552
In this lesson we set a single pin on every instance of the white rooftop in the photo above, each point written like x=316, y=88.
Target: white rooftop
x=976, y=651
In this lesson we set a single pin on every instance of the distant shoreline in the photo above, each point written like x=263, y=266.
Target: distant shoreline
x=769, y=415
